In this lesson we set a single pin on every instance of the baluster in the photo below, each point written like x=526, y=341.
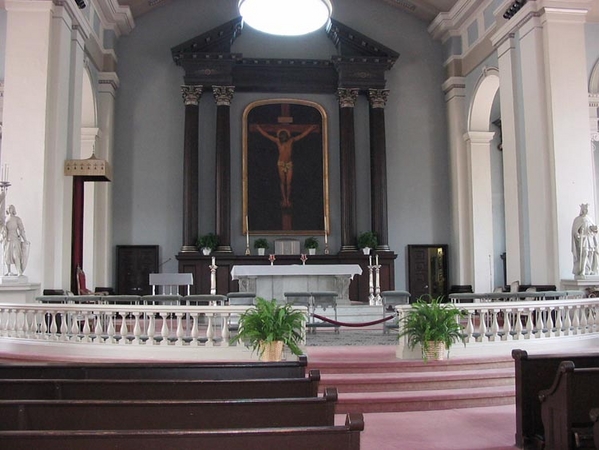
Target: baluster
x=98, y=332
x=540, y=322
x=576, y=319
x=110, y=330
x=583, y=320
x=64, y=327
x=164, y=331
x=469, y=327
x=180, y=332
x=210, y=331
x=567, y=322
x=494, y=325
x=550, y=321
x=226, y=334
x=482, y=326
x=12, y=322
x=136, y=329
x=124, y=331
x=86, y=327
x=195, y=333
x=74, y=324
x=152, y=329
x=529, y=324
x=507, y=325
x=559, y=323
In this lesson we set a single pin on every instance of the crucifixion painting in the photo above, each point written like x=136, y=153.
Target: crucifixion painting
x=285, y=167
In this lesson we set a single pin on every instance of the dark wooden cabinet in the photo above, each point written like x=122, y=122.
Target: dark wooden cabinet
x=197, y=264
x=427, y=270
x=135, y=263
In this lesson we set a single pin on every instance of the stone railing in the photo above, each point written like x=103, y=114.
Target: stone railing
x=104, y=331
x=514, y=296
x=497, y=327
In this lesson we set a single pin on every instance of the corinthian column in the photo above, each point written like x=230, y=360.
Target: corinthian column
x=223, y=96
x=378, y=166
x=191, y=97
x=347, y=143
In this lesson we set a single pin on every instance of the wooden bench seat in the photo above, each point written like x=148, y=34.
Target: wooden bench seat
x=346, y=437
x=566, y=407
x=535, y=373
x=167, y=414
x=87, y=389
x=157, y=371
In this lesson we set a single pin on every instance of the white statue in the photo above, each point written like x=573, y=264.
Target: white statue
x=584, y=244
x=13, y=238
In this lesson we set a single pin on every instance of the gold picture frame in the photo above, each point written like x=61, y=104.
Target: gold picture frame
x=285, y=168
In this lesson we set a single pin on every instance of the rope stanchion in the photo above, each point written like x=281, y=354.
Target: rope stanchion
x=355, y=325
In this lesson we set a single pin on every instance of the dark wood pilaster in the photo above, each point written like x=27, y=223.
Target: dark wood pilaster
x=347, y=142
x=77, y=230
x=223, y=96
x=191, y=96
x=378, y=167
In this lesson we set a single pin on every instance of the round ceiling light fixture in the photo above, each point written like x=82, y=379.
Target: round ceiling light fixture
x=285, y=17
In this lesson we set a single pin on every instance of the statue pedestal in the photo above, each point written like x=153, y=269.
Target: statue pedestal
x=589, y=283
x=17, y=289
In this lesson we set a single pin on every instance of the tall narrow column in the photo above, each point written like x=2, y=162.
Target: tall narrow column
x=223, y=96
x=77, y=231
x=191, y=97
x=347, y=143
x=378, y=166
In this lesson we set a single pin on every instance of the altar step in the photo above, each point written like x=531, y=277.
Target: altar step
x=392, y=385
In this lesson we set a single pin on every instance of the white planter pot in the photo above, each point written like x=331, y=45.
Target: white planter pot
x=366, y=250
x=261, y=251
x=311, y=251
x=206, y=251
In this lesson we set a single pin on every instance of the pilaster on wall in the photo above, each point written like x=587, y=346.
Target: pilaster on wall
x=461, y=235
x=478, y=153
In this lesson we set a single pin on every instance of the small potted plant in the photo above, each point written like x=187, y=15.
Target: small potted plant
x=208, y=243
x=268, y=327
x=434, y=325
x=311, y=244
x=261, y=245
x=367, y=241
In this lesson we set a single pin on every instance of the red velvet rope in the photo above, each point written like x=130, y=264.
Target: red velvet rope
x=345, y=324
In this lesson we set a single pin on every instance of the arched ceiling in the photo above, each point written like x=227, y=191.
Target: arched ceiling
x=425, y=10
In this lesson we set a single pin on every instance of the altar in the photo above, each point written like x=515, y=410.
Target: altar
x=273, y=281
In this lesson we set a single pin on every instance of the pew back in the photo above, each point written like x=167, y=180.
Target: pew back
x=167, y=414
x=345, y=437
x=534, y=373
x=566, y=406
x=86, y=389
x=157, y=371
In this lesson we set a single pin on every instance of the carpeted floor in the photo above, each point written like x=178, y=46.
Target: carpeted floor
x=327, y=338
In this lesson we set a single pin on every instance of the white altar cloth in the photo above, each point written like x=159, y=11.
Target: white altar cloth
x=273, y=281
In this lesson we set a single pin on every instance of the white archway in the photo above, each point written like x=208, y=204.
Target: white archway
x=478, y=149
x=594, y=122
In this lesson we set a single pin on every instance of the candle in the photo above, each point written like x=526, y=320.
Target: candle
x=247, y=231
x=370, y=260
x=213, y=261
x=377, y=259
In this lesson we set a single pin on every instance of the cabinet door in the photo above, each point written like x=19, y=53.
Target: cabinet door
x=427, y=265
x=135, y=263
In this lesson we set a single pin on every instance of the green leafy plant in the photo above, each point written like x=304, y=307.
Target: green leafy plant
x=432, y=321
x=311, y=242
x=367, y=239
x=270, y=322
x=260, y=243
x=209, y=240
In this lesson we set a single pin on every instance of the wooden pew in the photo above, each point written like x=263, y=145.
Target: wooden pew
x=87, y=389
x=165, y=414
x=157, y=371
x=345, y=437
x=534, y=373
x=566, y=407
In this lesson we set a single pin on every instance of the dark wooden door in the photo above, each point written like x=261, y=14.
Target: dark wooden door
x=427, y=266
x=135, y=263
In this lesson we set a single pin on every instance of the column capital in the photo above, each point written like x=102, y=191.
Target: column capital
x=223, y=95
x=108, y=82
x=378, y=97
x=191, y=94
x=479, y=137
x=347, y=97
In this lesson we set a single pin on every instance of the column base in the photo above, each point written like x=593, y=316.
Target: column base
x=383, y=248
x=349, y=248
x=188, y=248
x=224, y=249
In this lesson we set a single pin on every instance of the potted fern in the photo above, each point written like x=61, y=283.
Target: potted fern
x=367, y=241
x=208, y=243
x=261, y=245
x=311, y=244
x=268, y=326
x=434, y=325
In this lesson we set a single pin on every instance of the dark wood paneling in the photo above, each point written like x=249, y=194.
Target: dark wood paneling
x=135, y=263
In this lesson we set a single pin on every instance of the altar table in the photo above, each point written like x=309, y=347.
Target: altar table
x=273, y=281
